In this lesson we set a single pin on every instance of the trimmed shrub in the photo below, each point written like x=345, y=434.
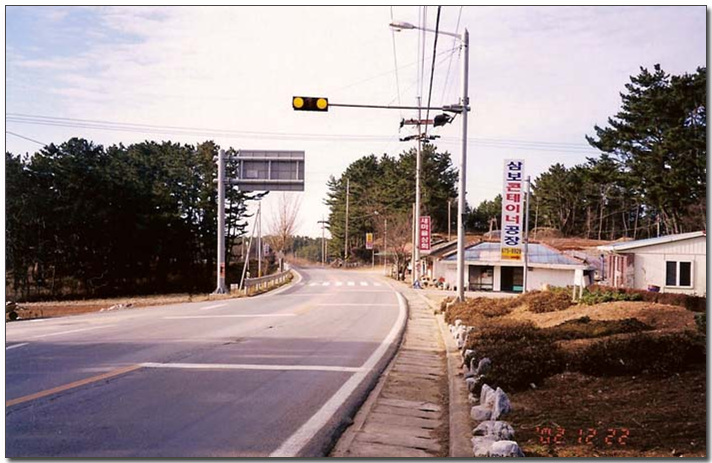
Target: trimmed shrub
x=641, y=353
x=584, y=327
x=701, y=322
x=474, y=311
x=608, y=294
x=521, y=354
x=547, y=301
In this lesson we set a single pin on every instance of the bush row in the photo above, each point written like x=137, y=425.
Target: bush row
x=688, y=301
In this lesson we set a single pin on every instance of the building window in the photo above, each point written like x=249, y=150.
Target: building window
x=678, y=273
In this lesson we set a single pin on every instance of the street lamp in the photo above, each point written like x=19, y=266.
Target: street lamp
x=463, y=108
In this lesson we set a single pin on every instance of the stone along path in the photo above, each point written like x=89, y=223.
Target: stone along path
x=406, y=415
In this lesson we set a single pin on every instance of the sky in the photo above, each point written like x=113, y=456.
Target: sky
x=540, y=78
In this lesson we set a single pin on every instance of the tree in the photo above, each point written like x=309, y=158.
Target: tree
x=283, y=222
x=659, y=140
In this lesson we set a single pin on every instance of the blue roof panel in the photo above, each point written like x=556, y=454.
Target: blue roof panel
x=538, y=254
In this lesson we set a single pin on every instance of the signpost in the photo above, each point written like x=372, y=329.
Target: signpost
x=512, y=210
x=257, y=171
x=369, y=240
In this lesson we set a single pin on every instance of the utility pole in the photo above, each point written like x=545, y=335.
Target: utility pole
x=346, y=235
x=416, y=219
x=462, y=185
x=385, y=246
x=449, y=220
x=259, y=239
x=220, y=289
x=323, y=242
x=526, y=237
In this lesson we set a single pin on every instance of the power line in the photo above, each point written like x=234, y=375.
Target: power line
x=454, y=42
x=25, y=138
x=228, y=133
x=395, y=61
x=432, y=67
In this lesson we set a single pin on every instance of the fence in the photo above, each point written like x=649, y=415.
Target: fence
x=255, y=285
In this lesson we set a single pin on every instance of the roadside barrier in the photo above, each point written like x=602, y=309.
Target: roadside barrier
x=255, y=285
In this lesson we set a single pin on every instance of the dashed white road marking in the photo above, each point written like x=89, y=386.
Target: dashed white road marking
x=312, y=284
x=69, y=332
x=351, y=283
x=326, y=283
x=213, y=306
x=339, y=283
x=363, y=283
x=248, y=366
x=186, y=317
x=376, y=284
x=16, y=345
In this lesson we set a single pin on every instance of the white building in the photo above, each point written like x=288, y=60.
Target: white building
x=672, y=264
x=486, y=271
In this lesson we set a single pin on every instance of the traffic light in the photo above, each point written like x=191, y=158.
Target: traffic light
x=441, y=119
x=308, y=103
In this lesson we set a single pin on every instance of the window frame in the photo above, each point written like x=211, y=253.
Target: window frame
x=677, y=274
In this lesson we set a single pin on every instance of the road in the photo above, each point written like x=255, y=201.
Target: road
x=275, y=375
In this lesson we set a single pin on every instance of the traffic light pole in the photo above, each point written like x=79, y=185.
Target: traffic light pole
x=221, y=289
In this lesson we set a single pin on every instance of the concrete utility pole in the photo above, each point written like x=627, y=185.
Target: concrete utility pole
x=449, y=220
x=385, y=246
x=220, y=289
x=346, y=235
x=465, y=38
x=323, y=242
x=416, y=219
x=259, y=239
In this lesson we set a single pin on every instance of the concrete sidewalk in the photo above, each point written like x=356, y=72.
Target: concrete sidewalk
x=406, y=415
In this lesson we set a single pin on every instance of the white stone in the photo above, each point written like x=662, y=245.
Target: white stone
x=505, y=448
x=484, y=366
x=500, y=430
x=480, y=413
x=481, y=446
x=501, y=405
x=487, y=396
x=458, y=322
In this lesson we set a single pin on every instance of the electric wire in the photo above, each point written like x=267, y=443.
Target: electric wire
x=183, y=130
x=446, y=87
x=395, y=62
x=432, y=69
x=25, y=138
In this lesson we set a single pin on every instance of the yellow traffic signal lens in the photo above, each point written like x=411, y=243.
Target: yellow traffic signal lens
x=310, y=103
x=322, y=103
x=298, y=102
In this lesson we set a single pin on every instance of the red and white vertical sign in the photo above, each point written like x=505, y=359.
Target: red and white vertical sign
x=424, y=233
x=512, y=209
x=369, y=241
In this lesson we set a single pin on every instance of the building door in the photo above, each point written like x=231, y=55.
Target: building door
x=512, y=279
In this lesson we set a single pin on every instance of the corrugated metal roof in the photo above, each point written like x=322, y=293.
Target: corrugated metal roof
x=538, y=254
x=651, y=241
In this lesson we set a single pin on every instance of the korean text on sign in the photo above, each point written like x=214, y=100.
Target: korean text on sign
x=512, y=210
x=424, y=233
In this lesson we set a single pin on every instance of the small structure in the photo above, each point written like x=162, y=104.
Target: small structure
x=486, y=271
x=672, y=263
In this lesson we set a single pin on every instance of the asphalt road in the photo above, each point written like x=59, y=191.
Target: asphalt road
x=275, y=375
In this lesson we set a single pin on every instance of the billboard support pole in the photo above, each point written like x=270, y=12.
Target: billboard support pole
x=526, y=237
x=220, y=289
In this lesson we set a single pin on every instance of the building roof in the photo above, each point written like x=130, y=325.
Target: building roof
x=539, y=254
x=627, y=245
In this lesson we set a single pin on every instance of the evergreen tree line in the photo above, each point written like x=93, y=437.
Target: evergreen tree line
x=84, y=220
x=650, y=178
x=381, y=198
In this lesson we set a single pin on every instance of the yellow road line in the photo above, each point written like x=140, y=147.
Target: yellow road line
x=81, y=382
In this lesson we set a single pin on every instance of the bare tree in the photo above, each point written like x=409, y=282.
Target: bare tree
x=284, y=222
x=398, y=237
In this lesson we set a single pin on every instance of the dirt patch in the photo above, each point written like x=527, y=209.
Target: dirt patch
x=585, y=416
x=659, y=316
x=60, y=309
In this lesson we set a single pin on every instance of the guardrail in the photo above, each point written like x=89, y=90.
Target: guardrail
x=255, y=285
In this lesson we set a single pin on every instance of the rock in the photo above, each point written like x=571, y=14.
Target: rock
x=474, y=385
x=480, y=413
x=505, y=448
x=501, y=405
x=500, y=430
x=487, y=396
x=458, y=322
x=484, y=366
x=472, y=398
x=481, y=446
